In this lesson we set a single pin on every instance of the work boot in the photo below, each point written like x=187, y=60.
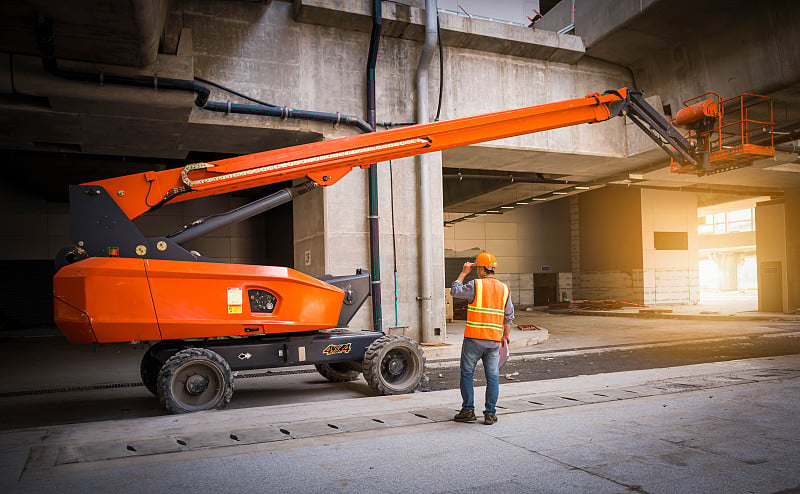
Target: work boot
x=489, y=418
x=465, y=415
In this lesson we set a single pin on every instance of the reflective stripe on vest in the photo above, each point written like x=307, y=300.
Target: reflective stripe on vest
x=486, y=312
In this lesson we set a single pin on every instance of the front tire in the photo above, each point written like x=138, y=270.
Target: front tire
x=193, y=380
x=394, y=365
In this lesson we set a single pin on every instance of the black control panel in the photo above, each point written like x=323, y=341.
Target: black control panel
x=261, y=301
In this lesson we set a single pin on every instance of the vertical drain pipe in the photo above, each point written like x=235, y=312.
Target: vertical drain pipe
x=374, y=228
x=425, y=218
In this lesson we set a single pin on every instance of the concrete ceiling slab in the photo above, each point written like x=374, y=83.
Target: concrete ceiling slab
x=22, y=127
x=122, y=32
x=223, y=138
x=125, y=137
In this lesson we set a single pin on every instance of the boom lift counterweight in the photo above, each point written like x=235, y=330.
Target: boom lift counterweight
x=210, y=318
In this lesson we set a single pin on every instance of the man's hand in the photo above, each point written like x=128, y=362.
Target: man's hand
x=465, y=270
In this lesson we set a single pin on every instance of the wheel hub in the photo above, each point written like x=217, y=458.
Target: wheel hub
x=395, y=366
x=196, y=384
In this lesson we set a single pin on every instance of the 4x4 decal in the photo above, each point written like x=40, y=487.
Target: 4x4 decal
x=334, y=349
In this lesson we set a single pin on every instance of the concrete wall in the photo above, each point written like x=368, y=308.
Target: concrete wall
x=610, y=227
x=618, y=256
x=523, y=240
x=526, y=240
x=610, y=244
x=241, y=243
x=31, y=228
x=669, y=275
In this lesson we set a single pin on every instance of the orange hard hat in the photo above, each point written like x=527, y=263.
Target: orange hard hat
x=486, y=259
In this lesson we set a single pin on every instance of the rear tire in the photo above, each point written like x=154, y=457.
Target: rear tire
x=337, y=372
x=193, y=380
x=394, y=365
x=149, y=369
x=150, y=365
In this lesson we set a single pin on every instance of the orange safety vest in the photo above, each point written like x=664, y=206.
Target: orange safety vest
x=486, y=312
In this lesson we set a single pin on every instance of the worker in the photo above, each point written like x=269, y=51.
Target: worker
x=489, y=315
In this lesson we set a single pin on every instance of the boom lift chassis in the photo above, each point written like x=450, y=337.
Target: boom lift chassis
x=209, y=319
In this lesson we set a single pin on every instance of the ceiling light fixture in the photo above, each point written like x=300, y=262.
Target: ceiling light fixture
x=522, y=203
x=559, y=193
x=581, y=187
x=506, y=207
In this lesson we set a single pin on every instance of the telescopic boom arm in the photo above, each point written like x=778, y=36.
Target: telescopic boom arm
x=328, y=161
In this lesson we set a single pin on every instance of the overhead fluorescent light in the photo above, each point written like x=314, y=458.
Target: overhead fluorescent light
x=506, y=207
x=522, y=203
x=582, y=187
x=539, y=198
x=636, y=176
x=559, y=193
x=492, y=211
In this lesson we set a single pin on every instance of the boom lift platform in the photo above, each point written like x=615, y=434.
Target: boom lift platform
x=726, y=139
x=208, y=318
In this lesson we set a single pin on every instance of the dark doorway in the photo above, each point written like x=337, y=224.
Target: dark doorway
x=545, y=288
x=26, y=294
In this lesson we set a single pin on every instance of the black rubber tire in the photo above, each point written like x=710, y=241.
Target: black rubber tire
x=337, y=372
x=394, y=365
x=150, y=365
x=199, y=368
x=148, y=369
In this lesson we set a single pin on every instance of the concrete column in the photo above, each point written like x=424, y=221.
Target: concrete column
x=728, y=264
x=793, y=248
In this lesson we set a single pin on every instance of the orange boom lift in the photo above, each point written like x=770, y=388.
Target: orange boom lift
x=209, y=318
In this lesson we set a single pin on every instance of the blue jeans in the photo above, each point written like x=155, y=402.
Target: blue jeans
x=471, y=352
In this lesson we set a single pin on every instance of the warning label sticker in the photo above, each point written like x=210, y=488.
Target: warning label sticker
x=234, y=300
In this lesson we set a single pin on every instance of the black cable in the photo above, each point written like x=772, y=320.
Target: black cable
x=441, y=67
x=229, y=90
